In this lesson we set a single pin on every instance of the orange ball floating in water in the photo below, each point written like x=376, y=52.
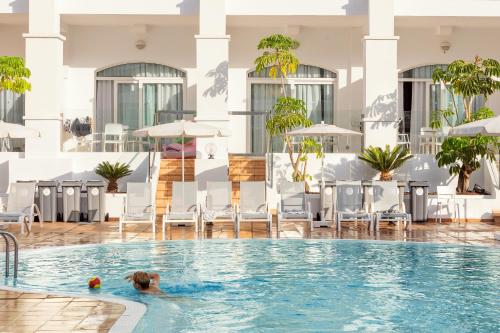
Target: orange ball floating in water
x=94, y=283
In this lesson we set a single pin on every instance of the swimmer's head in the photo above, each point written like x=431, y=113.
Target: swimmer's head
x=141, y=280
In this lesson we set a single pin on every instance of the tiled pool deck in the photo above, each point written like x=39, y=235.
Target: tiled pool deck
x=28, y=312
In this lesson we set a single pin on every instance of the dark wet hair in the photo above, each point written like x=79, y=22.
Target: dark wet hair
x=142, y=279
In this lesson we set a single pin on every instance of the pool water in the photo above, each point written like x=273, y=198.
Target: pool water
x=287, y=285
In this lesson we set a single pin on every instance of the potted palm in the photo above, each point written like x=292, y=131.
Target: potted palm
x=385, y=160
x=112, y=173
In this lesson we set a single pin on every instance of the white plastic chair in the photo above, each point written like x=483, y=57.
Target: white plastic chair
x=293, y=206
x=21, y=208
x=114, y=134
x=184, y=208
x=448, y=195
x=139, y=205
x=404, y=140
x=253, y=206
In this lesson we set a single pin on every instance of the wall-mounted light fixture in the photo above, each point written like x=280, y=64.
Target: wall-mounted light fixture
x=445, y=46
x=140, y=44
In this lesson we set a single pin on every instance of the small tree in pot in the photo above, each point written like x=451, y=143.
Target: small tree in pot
x=113, y=172
x=466, y=81
x=385, y=161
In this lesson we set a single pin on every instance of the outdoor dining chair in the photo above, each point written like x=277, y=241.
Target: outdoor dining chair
x=386, y=205
x=218, y=207
x=253, y=206
x=21, y=208
x=184, y=208
x=139, y=206
x=349, y=204
x=114, y=134
x=293, y=206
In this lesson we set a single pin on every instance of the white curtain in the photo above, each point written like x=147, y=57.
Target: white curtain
x=418, y=119
x=104, y=105
x=264, y=97
x=319, y=101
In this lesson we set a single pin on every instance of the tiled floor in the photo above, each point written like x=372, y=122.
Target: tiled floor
x=39, y=313
x=29, y=312
x=60, y=234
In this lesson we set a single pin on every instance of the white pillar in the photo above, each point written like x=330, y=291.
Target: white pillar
x=380, y=111
x=44, y=57
x=212, y=56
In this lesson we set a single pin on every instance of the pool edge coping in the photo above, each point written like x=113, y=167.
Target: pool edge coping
x=128, y=320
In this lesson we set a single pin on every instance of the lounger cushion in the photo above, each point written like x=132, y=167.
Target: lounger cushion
x=392, y=216
x=180, y=216
x=294, y=215
x=353, y=216
x=10, y=216
x=138, y=217
x=254, y=216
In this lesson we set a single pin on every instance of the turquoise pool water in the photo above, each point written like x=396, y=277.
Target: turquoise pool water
x=288, y=285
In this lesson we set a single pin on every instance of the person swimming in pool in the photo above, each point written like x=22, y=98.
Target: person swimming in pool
x=147, y=283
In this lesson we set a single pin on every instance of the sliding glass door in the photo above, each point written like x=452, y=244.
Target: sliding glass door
x=127, y=105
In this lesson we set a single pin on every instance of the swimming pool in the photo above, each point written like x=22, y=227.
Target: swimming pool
x=287, y=285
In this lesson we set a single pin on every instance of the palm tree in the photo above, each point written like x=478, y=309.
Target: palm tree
x=14, y=75
x=385, y=161
x=113, y=172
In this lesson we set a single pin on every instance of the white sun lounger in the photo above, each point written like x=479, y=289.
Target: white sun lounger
x=184, y=208
x=253, y=206
x=139, y=206
x=293, y=206
x=219, y=207
x=386, y=204
x=21, y=208
x=349, y=204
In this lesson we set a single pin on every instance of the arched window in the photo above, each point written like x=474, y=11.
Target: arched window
x=314, y=85
x=420, y=97
x=138, y=95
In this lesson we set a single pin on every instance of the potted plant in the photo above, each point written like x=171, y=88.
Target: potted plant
x=288, y=112
x=465, y=81
x=385, y=160
x=112, y=172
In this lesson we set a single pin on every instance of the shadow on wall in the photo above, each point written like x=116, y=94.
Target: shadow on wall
x=356, y=7
x=189, y=7
x=219, y=76
x=384, y=108
x=218, y=174
x=19, y=6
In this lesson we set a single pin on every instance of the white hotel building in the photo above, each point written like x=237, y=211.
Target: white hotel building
x=366, y=65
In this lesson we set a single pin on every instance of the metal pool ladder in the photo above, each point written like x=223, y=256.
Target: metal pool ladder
x=7, y=236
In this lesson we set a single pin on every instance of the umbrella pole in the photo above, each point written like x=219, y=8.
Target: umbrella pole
x=182, y=140
x=322, y=163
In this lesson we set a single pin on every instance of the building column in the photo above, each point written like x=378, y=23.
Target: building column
x=212, y=57
x=380, y=111
x=44, y=57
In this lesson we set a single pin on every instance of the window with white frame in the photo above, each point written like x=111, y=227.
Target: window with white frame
x=138, y=95
x=313, y=85
x=420, y=97
x=12, y=111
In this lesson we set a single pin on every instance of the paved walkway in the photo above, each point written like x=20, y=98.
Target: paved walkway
x=29, y=312
x=60, y=234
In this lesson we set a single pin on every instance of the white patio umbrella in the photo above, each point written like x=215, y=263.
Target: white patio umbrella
x=485, y=127
x=182, y=129
x=16, y=131
x=323, y=130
